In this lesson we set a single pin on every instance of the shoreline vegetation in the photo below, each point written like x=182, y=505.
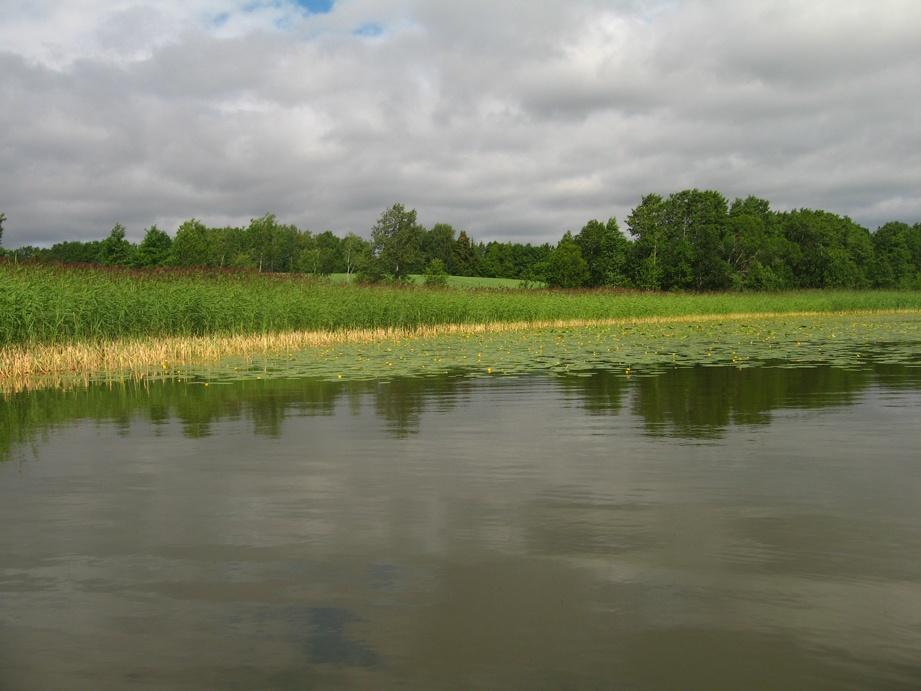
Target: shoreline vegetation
x=80, y=324
x=140, y=358
x=80, y=310
x=48, y=305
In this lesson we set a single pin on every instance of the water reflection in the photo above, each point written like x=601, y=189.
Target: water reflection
x=691, y=402
x=703, y=402
x=699, y=528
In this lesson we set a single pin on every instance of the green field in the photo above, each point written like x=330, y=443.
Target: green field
x=53, y=305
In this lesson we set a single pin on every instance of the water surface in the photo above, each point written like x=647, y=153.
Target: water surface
x=692, y=528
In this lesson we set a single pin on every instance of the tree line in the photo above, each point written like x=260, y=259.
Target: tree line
x=689, y=240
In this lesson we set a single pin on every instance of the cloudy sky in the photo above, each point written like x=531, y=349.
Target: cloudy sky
x=514, y=119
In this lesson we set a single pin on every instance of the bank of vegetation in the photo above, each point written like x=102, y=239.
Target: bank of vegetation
x=57, y=305
x=205, y=293
x=692, y=240
x=82, y=322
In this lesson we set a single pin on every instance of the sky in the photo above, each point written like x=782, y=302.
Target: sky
x=515, y=120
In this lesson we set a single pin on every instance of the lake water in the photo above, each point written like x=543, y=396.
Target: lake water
x=688, y=528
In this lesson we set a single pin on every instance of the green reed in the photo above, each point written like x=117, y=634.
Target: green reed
x=44, y=304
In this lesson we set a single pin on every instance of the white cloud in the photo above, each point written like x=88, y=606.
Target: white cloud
x=511, y=119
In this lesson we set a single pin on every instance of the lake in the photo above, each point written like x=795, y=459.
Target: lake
x=677, y=528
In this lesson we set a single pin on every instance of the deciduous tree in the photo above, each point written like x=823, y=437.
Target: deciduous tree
x=115, y=250
x=154, y=249
x=191, y=246
x=566, y=268
x=395, y=241
x=355, y=251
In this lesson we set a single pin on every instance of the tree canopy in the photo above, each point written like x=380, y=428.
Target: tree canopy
x=690, y=240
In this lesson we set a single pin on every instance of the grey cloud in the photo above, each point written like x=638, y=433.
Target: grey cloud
x=512, y=120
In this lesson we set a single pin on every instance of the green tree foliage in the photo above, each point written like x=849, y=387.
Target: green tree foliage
x=694, y=230
x=228, y=248
x=154, y=250
x=707, y=216
x=464, y=257
x=691, y=240
x=591, y=242
x=496, y=260
x=73, y=252
x=330, y=254
x=319, y=255
x=396, y=242
x=115, y=250
x=831, y=251
x=566, y=268
x=508, y=260
x=356, y=252
x=647, y=226
x=191, y=246
x=605, y=249
x=436, y=274
x=438, y=243
x=270, y=245
x=755, y=249
x=2, y=221
x=894, y=265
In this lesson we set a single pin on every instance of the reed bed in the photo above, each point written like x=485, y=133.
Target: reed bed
x=46, y=305
x=78, y=323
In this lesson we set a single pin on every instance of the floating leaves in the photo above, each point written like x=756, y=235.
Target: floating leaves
x=631, y=348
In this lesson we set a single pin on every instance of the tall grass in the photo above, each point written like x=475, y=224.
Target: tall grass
x=54, y=305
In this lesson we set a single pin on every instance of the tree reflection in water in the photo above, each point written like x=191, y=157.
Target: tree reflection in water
x=691, y=402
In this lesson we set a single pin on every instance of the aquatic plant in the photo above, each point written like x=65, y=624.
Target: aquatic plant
x=55, y=305
x=630, y=346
